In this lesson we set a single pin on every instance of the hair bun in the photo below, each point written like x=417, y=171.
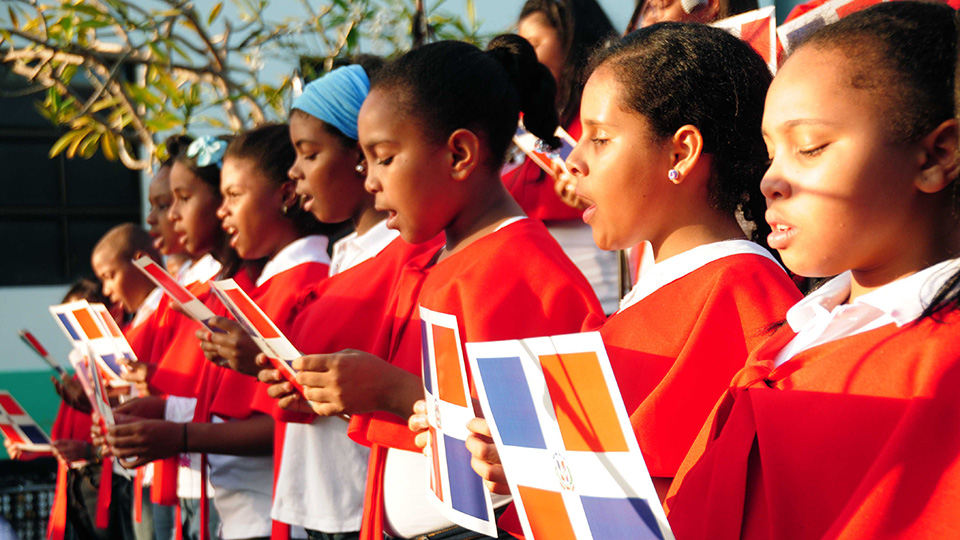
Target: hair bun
x=533, y=81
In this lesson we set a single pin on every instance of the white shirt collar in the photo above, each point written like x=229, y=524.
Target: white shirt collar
x=902, y=300
x=309, y=249
x=204, y=269
x=149, y=305
x=656, y=275
x=353, y=249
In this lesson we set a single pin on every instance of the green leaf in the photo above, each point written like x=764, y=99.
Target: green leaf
x=89, y=146
x=75, y=142
x=13, y=17
x=214, y=13
x=62, y=143
x=108, y=144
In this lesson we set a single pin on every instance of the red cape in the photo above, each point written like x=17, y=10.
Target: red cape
x=852, y=439
x=511, y=284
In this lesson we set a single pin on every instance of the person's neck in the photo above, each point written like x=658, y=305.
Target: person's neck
x=478, y=220
x=367, y=216
x=705, y=227
x=283, y=237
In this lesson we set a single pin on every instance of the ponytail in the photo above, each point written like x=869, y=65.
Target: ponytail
x=451, y=85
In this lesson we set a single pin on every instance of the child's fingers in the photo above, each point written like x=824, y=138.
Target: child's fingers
x=480, y=426
x=313, y=362
x=422, y=440
x=280, y=390
x=418, y=423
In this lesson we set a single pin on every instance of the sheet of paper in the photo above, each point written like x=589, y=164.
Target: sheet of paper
x=101, y=397
x=41, y=351
x=565, y=440
x=551, y=161
x=83, y=325
x=194, y=308
x=793, y=32
x=264, y=332
x=18, y=427
x=455, y=490
x=759, y=29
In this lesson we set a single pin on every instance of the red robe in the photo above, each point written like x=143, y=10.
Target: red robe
x=675, y=351
x=70, y=424
x=346, y=311
x=511, y=284
x=533, y=189
x=227, y=393
x=853, y=439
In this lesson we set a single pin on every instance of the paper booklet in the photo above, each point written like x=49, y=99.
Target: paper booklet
x=92, y=324
x=455, y=489
x=550, y=160
x=41, y=351
x=264, y=332
x=759, y=29
x=194, y=308
x=19, y=428
x=564, y=437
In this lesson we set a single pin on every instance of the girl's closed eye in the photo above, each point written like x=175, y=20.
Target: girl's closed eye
x=385, y=161
x=812, y=151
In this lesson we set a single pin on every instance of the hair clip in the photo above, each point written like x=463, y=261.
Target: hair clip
x=207, y=150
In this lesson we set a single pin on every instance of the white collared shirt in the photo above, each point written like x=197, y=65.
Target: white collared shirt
x=353, y=249
x=204, y=269
x=654, y=275
x=824, y=316
x=149, y=305
x=308, y=249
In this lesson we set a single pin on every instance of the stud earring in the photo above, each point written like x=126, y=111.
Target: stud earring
x=361, y=167
x=284, y=209
x=673, y=175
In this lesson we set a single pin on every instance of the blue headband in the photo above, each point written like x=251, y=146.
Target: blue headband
x=336, y=98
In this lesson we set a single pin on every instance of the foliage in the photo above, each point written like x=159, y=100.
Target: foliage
x=118, y=74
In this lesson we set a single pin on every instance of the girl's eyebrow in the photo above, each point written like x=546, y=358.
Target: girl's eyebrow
x=797, y=122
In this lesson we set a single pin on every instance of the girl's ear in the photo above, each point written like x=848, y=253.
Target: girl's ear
x=686, y=146
x=288, y=194
x=463, y=146
x=940, y=161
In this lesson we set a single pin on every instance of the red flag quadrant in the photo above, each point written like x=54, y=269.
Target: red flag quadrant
x=19, y=427
x=759, y=29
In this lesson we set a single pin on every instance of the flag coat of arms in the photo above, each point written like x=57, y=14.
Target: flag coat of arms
x=759, y=29
x=192, y=306
x=565, y=440
x=551, y=161
x=455, y=489
x=83, y=325
x=20, y=429
x=269, y=339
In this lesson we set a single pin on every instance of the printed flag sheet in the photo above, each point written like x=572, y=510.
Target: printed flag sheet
x=84, y=324
x=759, y=29
x=19, y=428
x=264, y=332
x=551, y=161
x=193, y=307
x=564, y=437
x=455, y=489
x=41, y=351
x=793, y=32
x=101, y=399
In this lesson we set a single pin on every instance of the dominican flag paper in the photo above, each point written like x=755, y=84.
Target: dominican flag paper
x=551, y=161
x=101, y=400
x=41, y=351
x=565, y=440
x=19, y=428
x=455, y=490
x=759, y=29
x=264, y=332
x=793, y=32
x=83, y=325
x=193, y=307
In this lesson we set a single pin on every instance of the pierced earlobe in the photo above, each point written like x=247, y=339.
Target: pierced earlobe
x=673, y=175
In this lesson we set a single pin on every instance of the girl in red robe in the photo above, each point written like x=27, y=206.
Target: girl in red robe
x=841, y=425
x=434, y=131
x=666, y=163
